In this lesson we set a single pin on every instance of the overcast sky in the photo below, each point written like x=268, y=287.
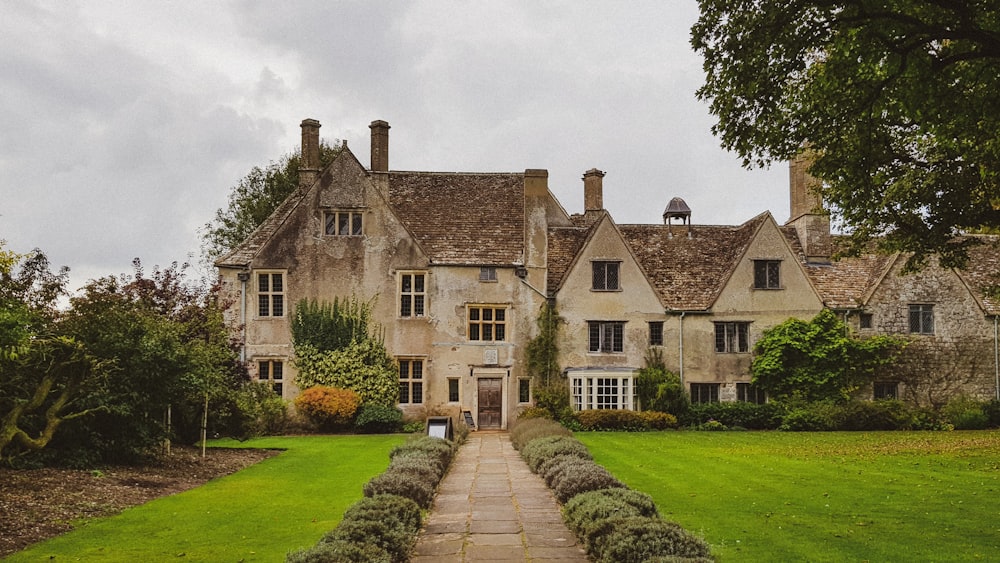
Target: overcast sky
x=123, y=125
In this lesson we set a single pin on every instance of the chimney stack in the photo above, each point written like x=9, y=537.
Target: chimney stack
x=380, y=145
x=811, y=221
x=593, y=190
x=309, y=165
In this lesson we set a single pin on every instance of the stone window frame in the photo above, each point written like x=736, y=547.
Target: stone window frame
x=411, y=380
x=606, y=337
x=482, y=318
x=885, y=390
x=271, y=370
x=750, y=393
x=487, y=273
x=354, y=222
x=767, y=274
x=704, y=392
x=656, y=333
x=412, y=289
x=523, y=390
x=605, y=275
x=454, y=389
x=271, y=302
x=921, y=318
x=732, y=337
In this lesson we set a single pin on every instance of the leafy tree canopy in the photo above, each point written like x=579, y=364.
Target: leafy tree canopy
x=818, y=359
x=898, y=100
x=254, y=198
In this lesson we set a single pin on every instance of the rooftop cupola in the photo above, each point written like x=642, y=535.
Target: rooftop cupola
x=677, y=209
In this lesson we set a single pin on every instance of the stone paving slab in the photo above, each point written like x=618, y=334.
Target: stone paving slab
x=490, y=507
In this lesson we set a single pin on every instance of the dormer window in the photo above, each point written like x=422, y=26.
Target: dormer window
x=344, y=223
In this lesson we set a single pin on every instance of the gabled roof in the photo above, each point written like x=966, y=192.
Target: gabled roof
x=982, y=273
x=462, y=218
x=849, y=282
x=565, y=244
x=689, y=273
x=846, y=283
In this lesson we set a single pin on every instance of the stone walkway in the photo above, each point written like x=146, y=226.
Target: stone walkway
x=491, y=507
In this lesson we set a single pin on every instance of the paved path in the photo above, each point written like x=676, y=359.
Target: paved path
x=491, y=507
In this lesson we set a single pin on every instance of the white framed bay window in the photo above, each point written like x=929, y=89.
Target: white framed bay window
x=602, y=389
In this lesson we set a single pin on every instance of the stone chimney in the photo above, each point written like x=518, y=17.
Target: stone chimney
x=380, y=145
x=309, y=165
x=593, y=190
x=536, y=227
x=810, y=220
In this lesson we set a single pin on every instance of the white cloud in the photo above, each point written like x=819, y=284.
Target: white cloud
x=126, y=124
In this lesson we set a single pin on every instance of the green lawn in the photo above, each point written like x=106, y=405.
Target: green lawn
x=775, y=496
x=258, y=514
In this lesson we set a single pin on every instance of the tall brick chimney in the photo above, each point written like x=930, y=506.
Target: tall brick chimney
x=380, y=145
x=811, y=221
x=309, y=165
x=593, y=190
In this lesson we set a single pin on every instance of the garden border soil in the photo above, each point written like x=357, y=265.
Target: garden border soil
x=37, y=504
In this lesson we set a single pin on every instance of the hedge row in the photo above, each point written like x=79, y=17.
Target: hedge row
x=960, y=413
x=614, y=523
x=383, y=526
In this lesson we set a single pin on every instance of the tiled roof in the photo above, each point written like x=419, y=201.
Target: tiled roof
x=982, y=272
x=689, y=273
x=843, y=283
x=564, y=245
x=462, y=218
x=243, y=254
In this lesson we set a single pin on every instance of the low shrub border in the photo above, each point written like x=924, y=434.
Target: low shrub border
x=614, y=524
x=383, y=526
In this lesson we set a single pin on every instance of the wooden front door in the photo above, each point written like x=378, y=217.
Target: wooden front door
x=490, y=403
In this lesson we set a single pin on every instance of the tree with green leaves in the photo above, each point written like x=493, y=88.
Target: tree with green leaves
x=819, y=359
x=660, y=389
x=897, y=102
x=254, y=198
x=338, y=345
x=45, y=371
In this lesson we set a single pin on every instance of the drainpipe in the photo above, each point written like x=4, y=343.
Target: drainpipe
x=680, y=346
x=996, y=356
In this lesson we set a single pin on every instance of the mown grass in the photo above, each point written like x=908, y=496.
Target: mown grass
x=772, y=496
x=259, y=514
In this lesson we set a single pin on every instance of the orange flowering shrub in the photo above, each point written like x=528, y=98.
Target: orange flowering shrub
x=328, y=407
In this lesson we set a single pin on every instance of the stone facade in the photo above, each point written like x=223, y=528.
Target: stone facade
x=458, y=266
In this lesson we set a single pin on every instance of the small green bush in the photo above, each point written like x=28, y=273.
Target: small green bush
x=553, y=469
x=403, y=511
x=874, y=415
x=534, y=412
x=711, y=426
x=639, y=538
x=541, y=449
x=403, y=484
x=438, y=448
x=588, y=476
x=813, y=417
x=386, y=534
x=752, y=416
x=584, y=511
x=965, y=414
x=992, y=410
x=624, y=420
x=340, y=551
x=524, y=431
x=378, y=419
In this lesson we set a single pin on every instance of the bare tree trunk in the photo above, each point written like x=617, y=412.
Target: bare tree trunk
x=204, y=426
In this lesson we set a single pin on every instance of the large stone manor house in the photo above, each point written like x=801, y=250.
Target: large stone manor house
x=460, y=265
